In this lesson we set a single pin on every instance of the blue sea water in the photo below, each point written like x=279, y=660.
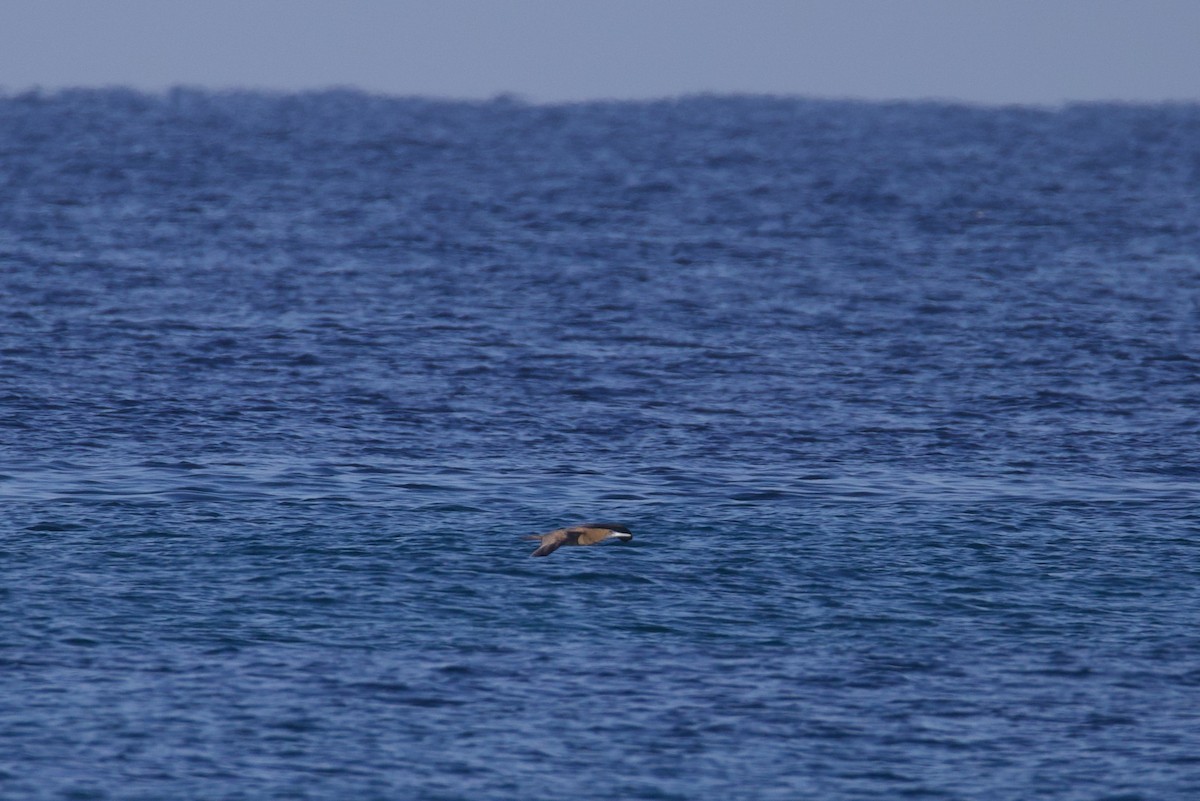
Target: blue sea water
x=901, y=402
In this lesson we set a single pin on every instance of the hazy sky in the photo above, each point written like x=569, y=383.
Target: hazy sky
x=985, y=51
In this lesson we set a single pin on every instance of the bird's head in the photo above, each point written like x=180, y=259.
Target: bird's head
x=616, y=531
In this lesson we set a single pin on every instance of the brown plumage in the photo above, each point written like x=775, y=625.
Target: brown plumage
x=585, y=534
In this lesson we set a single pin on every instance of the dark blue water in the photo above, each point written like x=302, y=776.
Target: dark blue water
x=901, y=403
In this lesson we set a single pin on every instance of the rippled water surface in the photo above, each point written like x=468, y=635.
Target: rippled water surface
x=900, y=402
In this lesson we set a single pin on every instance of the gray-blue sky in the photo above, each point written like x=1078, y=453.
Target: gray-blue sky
x=984, y=51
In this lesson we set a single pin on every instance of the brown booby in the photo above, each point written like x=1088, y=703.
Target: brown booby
x=585, y=534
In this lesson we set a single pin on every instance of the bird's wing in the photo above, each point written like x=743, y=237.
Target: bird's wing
x=590, y=536
x=550, y=542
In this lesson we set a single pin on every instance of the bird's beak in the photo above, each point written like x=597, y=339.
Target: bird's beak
x=622, y=536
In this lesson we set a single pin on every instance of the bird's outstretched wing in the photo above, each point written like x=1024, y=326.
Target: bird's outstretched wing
x=550, y=542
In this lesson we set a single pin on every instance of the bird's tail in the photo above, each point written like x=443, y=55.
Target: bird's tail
x=532, y=537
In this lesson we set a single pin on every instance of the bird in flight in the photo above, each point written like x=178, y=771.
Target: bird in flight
x=585, y=534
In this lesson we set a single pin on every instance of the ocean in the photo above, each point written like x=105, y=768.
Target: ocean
x=901, y=402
